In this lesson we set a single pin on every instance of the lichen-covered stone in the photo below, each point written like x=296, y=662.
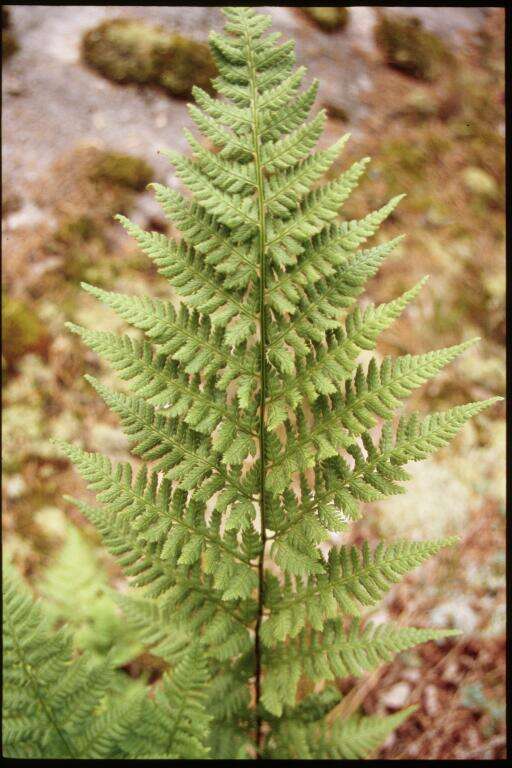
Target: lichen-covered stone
x=130, y=51
x=330, y=18
x=409, y=47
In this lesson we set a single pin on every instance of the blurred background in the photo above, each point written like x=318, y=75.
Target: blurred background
x=90, y=95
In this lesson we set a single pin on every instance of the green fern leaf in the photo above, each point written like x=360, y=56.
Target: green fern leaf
x=252, y=415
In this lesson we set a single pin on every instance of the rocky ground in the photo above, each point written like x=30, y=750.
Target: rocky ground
x=79, y=148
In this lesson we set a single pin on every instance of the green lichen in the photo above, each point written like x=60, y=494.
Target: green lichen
x=22, y=330
x=123, y=170
x=81, y=228
x=129, y=51
x=407, y=46
x=329, y=19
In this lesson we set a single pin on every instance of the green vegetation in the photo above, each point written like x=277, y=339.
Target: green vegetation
x=22, y=330
x=130, y=51
x=330, y=18
x=407, y=46
x=77, y=592
x=122, y=170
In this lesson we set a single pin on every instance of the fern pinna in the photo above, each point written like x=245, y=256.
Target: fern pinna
x=254, y=423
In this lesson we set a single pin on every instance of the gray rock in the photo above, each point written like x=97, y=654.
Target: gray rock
x=456, y=613
x=397, y=696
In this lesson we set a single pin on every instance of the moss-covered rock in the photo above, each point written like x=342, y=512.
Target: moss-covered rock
x=402, y=164
x=409, y=47
x=94, y=182
x=22, y=330
x=80, y=241
x=124, y=170
x=9, y=41
x=330, y=18
x=129, y=51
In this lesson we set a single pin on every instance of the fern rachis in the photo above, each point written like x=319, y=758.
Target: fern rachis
x=254, y=423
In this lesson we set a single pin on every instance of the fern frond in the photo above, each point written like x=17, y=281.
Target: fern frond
x=351, y=579
x=149, y=620
x=176, y=722
x=252, y=414
x=359, y=736
x=237, y=260
x=179, y=452
x=157, y=379
x=320, y=303
x=181, y=335
x=327, y=367
x=191, y=597
x=200, y=287
x=336, y=653
x=76, y=593
x=353, y=739
x=49, y=698
x=378, y=392
x=145, y=500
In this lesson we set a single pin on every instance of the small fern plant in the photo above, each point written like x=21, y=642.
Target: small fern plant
x=254, y=428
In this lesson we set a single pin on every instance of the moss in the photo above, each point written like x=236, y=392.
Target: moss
x=402, y=164
x=81, y=242
x=88, y=187
x=72, y=230
x=407, y=46
x=330, y=19
x=22, y=330
x=128, y=51
x=123, y=170
x=184, y=63
x=9, y=41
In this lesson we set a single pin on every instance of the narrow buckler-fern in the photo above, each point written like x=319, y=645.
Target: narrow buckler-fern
x=257, y=433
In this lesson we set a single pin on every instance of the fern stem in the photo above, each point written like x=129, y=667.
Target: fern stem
x=262, y=330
